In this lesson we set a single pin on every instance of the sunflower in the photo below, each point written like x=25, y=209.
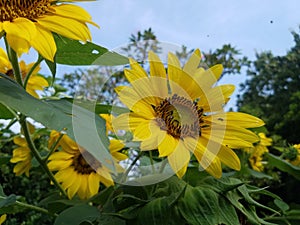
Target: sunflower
x=257, y=152
x=29, y=23
x=75, y=174
x=179, y=112
x=21, y=156
x=35, y=81
x=296, y=159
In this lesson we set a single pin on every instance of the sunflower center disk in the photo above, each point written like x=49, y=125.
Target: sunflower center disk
x=179, y=116
x=30, y=9
x=84, y=163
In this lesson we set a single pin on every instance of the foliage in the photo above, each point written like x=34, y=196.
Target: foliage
x=72, y=107
x=272, y=91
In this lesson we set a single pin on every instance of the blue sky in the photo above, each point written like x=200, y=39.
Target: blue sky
x=249, y=25
x=204, y=24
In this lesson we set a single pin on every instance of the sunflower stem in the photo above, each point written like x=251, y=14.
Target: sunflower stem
x=163, y=165
x=151, y=161
x=13, y=58
x=36, y=154
x=36, y=64
x=35, y=208
x=53, y=147
x=123, y=179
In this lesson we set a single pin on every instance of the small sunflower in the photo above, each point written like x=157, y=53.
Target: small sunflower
x=21, y=156
x=35, y=81
x=179, y=111
x=296, y=160
x=75, y=174
x=257, y=152
x=29, y=23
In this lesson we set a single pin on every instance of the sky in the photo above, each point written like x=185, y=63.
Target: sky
x=249, y=25
x=252, y=26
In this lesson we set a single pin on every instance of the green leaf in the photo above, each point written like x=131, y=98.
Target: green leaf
x=5, y=113
x=77, y=214
x=72, y=52
x=52, y=67
x=283, y=165
x=203, y=206
x=281, y=205
x=245, y=193
x=82, y=125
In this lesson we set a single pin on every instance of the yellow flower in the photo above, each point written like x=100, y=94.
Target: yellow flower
x=108, y=119
x=75, y=174
x=22, y=156
x=2, y=218
x=296, y=161
x=29, y=23
x=257, y=152
x=180, y=111
x=35, y=81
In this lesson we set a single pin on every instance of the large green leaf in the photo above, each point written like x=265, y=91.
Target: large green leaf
x=77, y=214
x=71, y=52
x=5, y=113
x=284, y=165
x=204, y=206
x=84, y=126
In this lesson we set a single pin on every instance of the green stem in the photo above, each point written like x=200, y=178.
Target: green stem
x=33, y=207
x=36, y=64
x=123, y=179
x=151, y=161
x=53, y=147
x=163, y=165
x=37, y=155
x=13, y=58
x=12, y=122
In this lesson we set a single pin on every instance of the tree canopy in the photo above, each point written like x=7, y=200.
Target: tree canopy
x=272, y=93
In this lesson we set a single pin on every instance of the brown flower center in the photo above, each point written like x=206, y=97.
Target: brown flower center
x=30, y=9
x=85, y=163
x=179, y=116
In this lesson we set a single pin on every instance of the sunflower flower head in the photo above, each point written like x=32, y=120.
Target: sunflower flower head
x=179, y=112
x=21, y=156
x=293, y=154
x=257, y=152
x=29, y=23
x=35, y=81
x=77, y=170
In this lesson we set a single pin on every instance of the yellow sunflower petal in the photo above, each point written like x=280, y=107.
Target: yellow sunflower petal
x=75, y=12
x=115, y=145
x=139, y=71
x=93, y=184
x=179, y=159
x=20, y=27
x=44, y=43
x=193, y=62
x=153, y=141
x=83, y=188
x=168, y=145
x=119, y=156
x=59, y=164
x=106, y=178
x=67, y=27
x=72, y=190
x=70, y=179
x=20, y=141
x=157, y=68
x=62, y=155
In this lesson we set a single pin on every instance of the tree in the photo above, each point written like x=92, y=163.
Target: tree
x=98, y=83
x=272, y=91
